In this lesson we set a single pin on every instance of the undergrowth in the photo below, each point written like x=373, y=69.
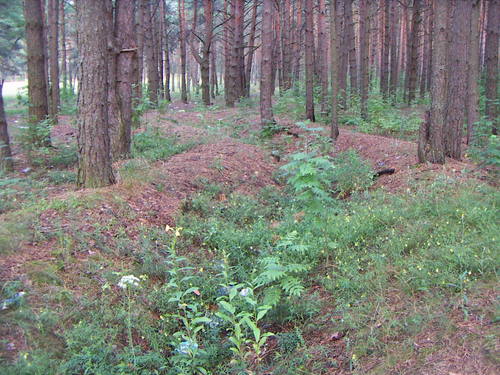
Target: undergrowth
x=240, y=271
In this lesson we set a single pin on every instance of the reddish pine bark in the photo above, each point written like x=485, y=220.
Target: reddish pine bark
x=182, y=43
x=491, y=62
x=473, y=70
x=334, y=53
x=384, y=70
x=94, y=162
x=309, y=57
x=36, y=57
x=266, y=111
x=431, y=143
x=53, y=12
x=363, y=56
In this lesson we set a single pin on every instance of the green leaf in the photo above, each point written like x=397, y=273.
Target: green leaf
x=227, y=306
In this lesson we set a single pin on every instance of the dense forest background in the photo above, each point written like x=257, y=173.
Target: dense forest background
x=249, y=186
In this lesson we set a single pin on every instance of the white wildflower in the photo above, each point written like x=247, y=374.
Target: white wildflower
x=244, y=292
x=128, y=281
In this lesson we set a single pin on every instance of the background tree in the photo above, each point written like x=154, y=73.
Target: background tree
x=11, y=62
x=334, y=51
x=126, y=77
x=36, y=57
x=6, y=164
x=53, y=18
x=309, y=58
x=363, y=57
x=266, y=111
x=94, y=164
x=491, y=52
x=431, y=142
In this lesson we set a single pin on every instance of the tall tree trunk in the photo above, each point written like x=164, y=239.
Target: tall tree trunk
x=94, y=164
x=64, y=59
x=457, y=79
x=151, y=51
x=393, y=83
x=227, y=51
x=323, y=55
x=413, y=51
x=298, y=43
x=166, y=52
x=334, y=52
x=343, y=52
x=6, y=164
x=426, y=30
x=182, y=42
x=252, y=48
x=431, y=144
x=140, y=48
x=214, y=85
x=351, y=42
x=37, y=84
x=308, y=11
x=473, y=70
x=126, y=61
x=54, y=58
x=266, y=110
x=363, y=56
x=491, y=57
x=384, y=71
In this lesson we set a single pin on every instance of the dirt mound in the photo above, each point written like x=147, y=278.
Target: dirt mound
x=236, y=166
x=385, y=152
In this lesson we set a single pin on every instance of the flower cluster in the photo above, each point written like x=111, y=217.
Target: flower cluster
x=129, y=281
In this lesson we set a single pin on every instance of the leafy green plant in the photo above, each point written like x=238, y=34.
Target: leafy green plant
x=153, y=145
x=240, y=309
x=310, y=177
x=351, y=173
x=35, y=135
x=485, y=146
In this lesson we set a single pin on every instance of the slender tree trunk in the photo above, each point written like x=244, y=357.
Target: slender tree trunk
x=168, y=68
x=94, y=167
x=323, y=55
x=351, y=41
x=266, y=110
x=308, y=11
x=64, y=59
x=252, y=48
x=54, y=58
x=214, y=86
x=473, y=70
x=140, y=48
x=393, y=83
x=384, y=71
x=431, y=144
x=426, y=29
x=457, y=81
x=6, y=164
x=126, y=60
x=182, y=42
x=363, y=56
x=491, y=57
x=227, y=52
x=298, y=42
x=37, y=84
x=343, y=52
x=413, y=51
x=334, y=52
x=150, y=48
x=207, y=50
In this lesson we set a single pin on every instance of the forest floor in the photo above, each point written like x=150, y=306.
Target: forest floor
x=61, y=242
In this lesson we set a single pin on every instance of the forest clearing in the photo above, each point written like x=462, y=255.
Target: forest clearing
x=252, y=197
